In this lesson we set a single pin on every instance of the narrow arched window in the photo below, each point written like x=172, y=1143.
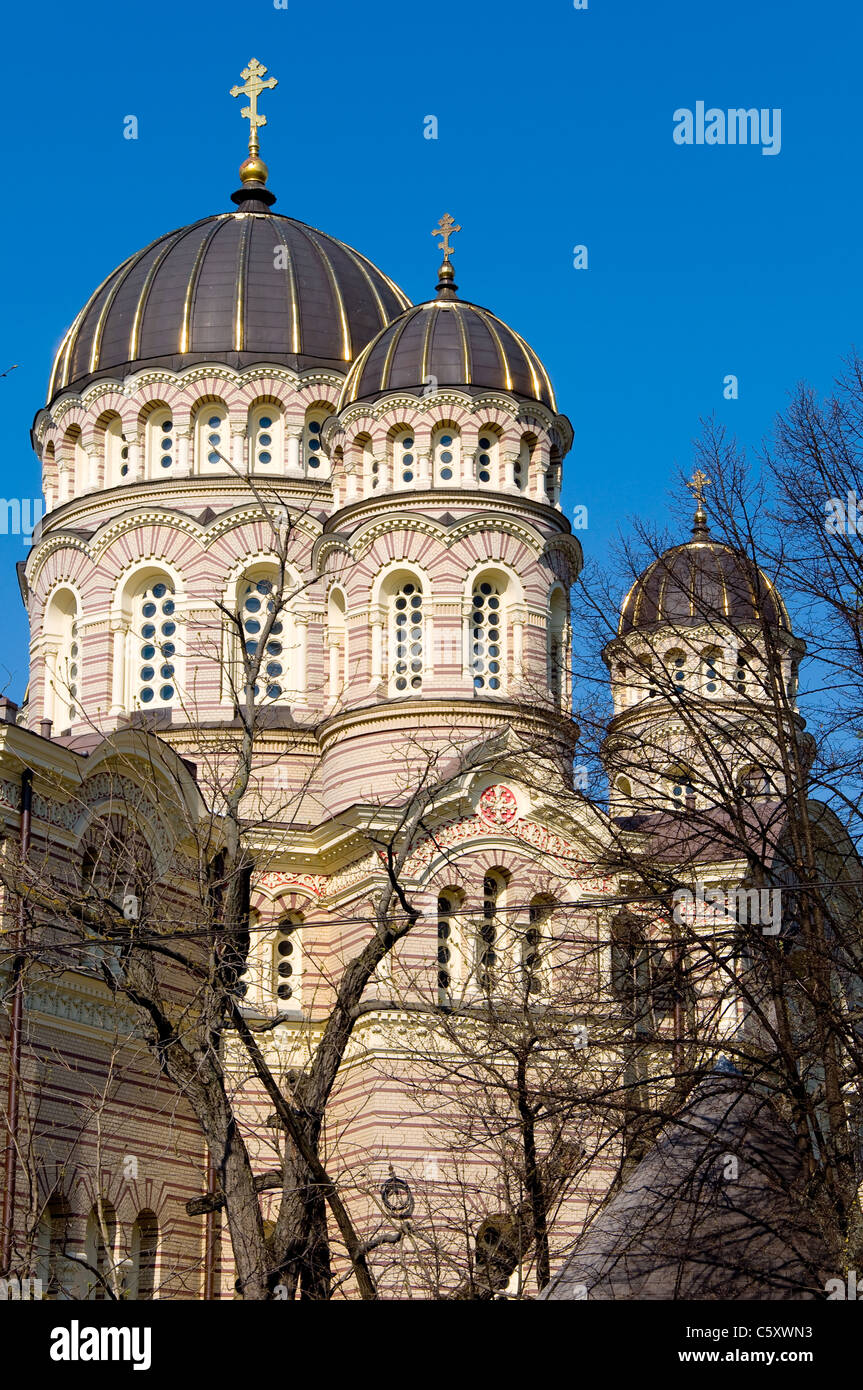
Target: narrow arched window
x=100, y=1256
x=487, y=939
x=521, y=466
x=116, y=453
x=710, y=673
x=681, y=789
x=407, y=638
x=553, y=478
x=446, y=908
x=557, y=663
x=539, y=913
x=287, y=962
x=337, y=643
x=313, y=454
x=141, y=1279
x=212, y=439
x=404, y=459
x=488, y=458
x=446, y=447
x=154, y=647
x=160, y=443
x=266, y=441
x=487, y=636
x=676, y=663
x=62, y=659
x=256, y=604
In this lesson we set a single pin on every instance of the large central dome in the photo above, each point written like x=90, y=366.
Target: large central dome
x=239, y=287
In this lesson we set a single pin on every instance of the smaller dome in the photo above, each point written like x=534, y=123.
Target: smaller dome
x=456, y=343
x=702, y=579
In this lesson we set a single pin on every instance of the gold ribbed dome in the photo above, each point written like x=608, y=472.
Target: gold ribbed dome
x=215, y=291
x=453, y=342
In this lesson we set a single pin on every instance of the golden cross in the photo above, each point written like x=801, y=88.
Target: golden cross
x=252, y=88
x=446, y=228
x=697, y=483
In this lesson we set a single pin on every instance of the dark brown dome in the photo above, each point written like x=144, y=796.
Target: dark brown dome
x=239, y=287
x=702, y=580
x=456, y=343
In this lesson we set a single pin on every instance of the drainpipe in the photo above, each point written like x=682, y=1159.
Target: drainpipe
x=16, y=1030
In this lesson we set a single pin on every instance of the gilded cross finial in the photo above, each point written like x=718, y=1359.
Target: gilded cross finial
x=446, y=228
x=252, y=87
x=697, y=483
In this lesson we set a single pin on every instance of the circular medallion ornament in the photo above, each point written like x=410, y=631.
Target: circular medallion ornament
x=498, y=805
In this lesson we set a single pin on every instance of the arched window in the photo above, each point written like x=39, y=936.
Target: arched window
x=539, y=914
x=521, y=466
x=448, y=904
x=153, y=638
x=647, y=677
x=493, y=890
x=337, y=641
x=315, y=460
x=553, y=478
x=710, y=662
x=488, y=457
x=446, y=455
x=49, y=476
x=255, y=604
x=212, y=439
x=557, y=662
x=77, y=461
x=676, y=665
x=141, y=1279
x=287, y=963
x=161, y=446
x=60, y=1276
x=266, y=439
x=404, y=459
x=100, y=1257
x=116, y=453
x=681, y=789
x=62, y=659
x=365, y=466
x=407, y=638
x=488, y=635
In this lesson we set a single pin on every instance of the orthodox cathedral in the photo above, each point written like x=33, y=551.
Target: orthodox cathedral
x=245, y=402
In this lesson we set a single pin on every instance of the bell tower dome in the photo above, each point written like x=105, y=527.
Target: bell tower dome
x=448, y=554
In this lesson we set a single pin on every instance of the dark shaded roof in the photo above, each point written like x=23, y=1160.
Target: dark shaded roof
x=681, y=1228
x=700, y=581
x=456, y=343
x=218, y=290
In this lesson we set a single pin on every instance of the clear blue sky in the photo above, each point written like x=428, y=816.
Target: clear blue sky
x=555, y=129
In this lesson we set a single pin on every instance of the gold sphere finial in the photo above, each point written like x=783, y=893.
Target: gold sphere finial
x=253, y=170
